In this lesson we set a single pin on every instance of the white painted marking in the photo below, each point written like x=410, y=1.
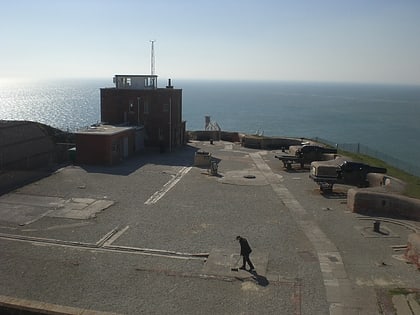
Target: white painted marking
x=168, y=186
x=104, y=249
x=114, y=237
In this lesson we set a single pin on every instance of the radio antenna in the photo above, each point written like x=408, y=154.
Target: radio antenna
x=152, y=58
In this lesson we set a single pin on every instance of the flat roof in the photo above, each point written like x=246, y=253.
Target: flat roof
x=103, y=130
x=137, y=75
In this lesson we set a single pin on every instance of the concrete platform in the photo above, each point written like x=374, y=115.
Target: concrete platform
x=221, y=262
x=24, y=209
x=165, y=242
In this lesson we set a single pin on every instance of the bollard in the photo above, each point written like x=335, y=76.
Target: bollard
x=376, y=226
x=213, y=168
x=211, y=141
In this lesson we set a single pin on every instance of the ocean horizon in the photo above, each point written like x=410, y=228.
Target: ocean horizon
x=381, y=116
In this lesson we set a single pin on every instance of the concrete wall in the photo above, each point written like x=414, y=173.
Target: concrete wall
x=25, y=145
x=230, y=136
x=268, y=143
x=204, y=135
x=383, y=203
x=388, y=183
x=413, y=249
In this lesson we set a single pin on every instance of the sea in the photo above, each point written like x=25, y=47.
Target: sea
x=385, y=118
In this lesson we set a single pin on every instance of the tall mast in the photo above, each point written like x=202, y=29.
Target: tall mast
x=152, y=58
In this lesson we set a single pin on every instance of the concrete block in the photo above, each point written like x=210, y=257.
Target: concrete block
x=412, y=252
x=202, y=159
x=372, y=202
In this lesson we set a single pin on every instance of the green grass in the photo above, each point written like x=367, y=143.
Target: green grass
x=399, y=291
x=413, y=182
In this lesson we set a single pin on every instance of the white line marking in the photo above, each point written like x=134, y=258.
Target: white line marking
x=114, y=237
x=106, y=237
x=171, y=183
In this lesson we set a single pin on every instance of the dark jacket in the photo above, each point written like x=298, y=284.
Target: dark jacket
x=245, y=248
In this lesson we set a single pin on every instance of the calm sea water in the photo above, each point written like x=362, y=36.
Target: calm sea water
x=386, y=118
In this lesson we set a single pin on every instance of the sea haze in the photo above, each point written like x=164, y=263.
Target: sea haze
x=384, y=117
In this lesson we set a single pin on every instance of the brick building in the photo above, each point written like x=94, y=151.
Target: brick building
x=107, y=144
x=137, y=101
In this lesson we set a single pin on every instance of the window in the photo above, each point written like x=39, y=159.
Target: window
x=131, y=107
x=165, y=107
x=149, y=82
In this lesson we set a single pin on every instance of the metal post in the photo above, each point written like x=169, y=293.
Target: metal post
x=170, y=124
x=138, y=111
x=376, y=226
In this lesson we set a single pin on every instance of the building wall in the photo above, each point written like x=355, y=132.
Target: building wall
x=104, y=149
x=150, y=108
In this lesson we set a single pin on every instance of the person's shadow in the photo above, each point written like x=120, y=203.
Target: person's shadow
x=261, y=280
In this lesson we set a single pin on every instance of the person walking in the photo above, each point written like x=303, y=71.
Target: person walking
x=245, y=252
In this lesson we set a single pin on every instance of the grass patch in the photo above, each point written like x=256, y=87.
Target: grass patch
x=413, y=182
x=399, y=291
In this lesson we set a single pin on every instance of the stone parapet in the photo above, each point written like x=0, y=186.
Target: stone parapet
x=383, y=203
x=269, y=143
x=386, y=182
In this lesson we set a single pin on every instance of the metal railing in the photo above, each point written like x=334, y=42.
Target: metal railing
x=363, y=149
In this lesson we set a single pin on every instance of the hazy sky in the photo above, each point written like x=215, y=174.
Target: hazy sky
x=304, y=40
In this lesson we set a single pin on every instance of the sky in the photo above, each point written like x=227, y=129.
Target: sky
x=367, y=41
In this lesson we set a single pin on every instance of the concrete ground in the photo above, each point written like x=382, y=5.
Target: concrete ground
x=156, y=235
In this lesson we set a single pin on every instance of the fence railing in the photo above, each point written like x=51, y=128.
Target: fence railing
x=363, y=149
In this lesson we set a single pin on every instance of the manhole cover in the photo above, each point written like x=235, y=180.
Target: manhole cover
x=249, y=176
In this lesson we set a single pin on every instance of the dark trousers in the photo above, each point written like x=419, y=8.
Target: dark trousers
x=245, y=259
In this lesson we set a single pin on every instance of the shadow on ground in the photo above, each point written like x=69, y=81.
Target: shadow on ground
x=183, y=156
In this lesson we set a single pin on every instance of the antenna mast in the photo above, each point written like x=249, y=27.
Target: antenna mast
x=152, y=57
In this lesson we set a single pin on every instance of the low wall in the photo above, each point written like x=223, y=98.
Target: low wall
x=383, y=203
x=388, y=183
x=413, y=249
x=207, y=135
x=204, y=135
x=25, y=145
x=230, y=136
x=269, y=143
x=248, y=141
